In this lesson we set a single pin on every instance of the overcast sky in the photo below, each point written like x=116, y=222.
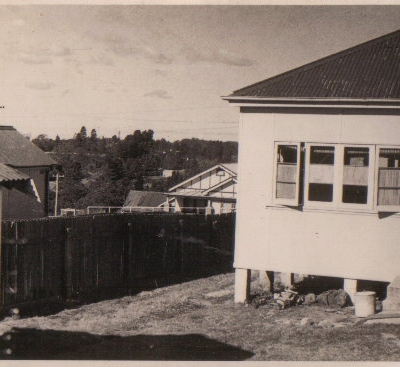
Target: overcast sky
x=122, y=68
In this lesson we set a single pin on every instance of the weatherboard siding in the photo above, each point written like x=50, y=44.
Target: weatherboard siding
x=324, y=241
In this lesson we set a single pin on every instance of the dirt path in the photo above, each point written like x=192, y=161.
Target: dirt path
x=197, y=321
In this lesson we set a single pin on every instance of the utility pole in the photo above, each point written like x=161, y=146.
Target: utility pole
x=57, y=187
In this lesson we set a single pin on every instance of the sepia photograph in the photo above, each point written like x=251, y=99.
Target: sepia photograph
x=199, y=182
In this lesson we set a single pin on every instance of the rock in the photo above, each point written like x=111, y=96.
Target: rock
x=310, y=298
x=288, y=298
x=306, y=321
x=334, y=298
x=221, y=293
x=326, y=324
x=342, y=298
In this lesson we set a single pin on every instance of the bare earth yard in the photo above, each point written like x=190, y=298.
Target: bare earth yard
x=198, y=320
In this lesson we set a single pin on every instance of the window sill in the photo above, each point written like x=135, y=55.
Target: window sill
x=335, y=210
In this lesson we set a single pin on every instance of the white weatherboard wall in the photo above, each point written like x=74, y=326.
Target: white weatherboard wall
x=330, y=242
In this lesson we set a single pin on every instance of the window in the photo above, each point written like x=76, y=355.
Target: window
x=340, y=176
x=287, y=173
x=321, y=173
x=355, y=175
x=388, y=197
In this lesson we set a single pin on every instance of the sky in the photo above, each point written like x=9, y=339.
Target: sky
x=120, y=68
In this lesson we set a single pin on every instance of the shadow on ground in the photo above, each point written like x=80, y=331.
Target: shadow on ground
x=22, y=344
x=319, y=284
x=51, y=306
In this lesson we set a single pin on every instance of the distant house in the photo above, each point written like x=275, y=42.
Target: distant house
x=211, y=191
x=151, y=182
x=23, y=162
x=170, y=172
x=144, y=201
x=319, y=167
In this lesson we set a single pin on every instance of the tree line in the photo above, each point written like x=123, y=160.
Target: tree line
x=101, y=171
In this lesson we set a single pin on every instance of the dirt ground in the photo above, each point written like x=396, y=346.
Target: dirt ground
x=198, y=320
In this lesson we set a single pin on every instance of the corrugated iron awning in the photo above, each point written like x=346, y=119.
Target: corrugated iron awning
x=12, y=178
x=8, y=174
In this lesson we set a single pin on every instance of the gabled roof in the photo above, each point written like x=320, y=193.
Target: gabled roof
x=231, y=180
x=370, y=70
x=18, y=151
x=231, y=168
x=145, y=198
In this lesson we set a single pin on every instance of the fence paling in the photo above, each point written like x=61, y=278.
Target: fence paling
x=67, y=257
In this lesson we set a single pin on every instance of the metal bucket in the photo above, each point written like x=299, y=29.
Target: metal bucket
x=364, y=304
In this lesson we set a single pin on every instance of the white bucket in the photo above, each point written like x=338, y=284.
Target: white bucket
x=364, y=304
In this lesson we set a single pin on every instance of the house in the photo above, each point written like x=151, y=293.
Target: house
x=171, y=172
x=319, y=168
x=144, y=201
x=152, y=182
x=21, y=159
x=211, y=191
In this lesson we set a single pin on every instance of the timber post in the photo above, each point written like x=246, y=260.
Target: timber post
x=242, y=284
x=1, y=253
x=68, y=264
x=350, y=287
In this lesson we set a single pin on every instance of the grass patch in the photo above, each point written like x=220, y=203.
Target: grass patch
x=205, y=308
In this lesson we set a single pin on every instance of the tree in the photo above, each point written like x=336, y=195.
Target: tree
x=44, y=143
x=83, y=132
x=115, y=169
x=93, y=135
x=101, y=171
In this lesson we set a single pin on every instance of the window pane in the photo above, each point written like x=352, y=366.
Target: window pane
x=286, y=178
x=355, y=194
x=322, y=155
x=389, y=177
x=355, y=175
x=320, y=178
x=320, y=192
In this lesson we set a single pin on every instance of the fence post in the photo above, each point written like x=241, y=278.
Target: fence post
x=1, y=254
x=68, y=264
x=181, y=257
x=128, y=257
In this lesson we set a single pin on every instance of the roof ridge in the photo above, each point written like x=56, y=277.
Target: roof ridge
x=315, y=63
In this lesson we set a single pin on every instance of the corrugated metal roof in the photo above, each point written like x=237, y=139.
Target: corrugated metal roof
x=145, y=198
x=18, y=151
x=8, y=174
x=370, y=70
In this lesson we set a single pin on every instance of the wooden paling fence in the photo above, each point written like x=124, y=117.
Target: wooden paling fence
x=87, y=256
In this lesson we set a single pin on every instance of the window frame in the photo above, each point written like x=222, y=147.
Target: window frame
x=369, y=205
x=338, y=173
x=382, y=208
x=302, y=180
x=312, y=203
x=282, y=201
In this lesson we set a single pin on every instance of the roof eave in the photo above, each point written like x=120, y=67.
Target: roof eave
x=251, y=101
x=171, y=196
x=219, y=165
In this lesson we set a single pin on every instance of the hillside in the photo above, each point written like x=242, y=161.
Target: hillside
x=101, y=171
